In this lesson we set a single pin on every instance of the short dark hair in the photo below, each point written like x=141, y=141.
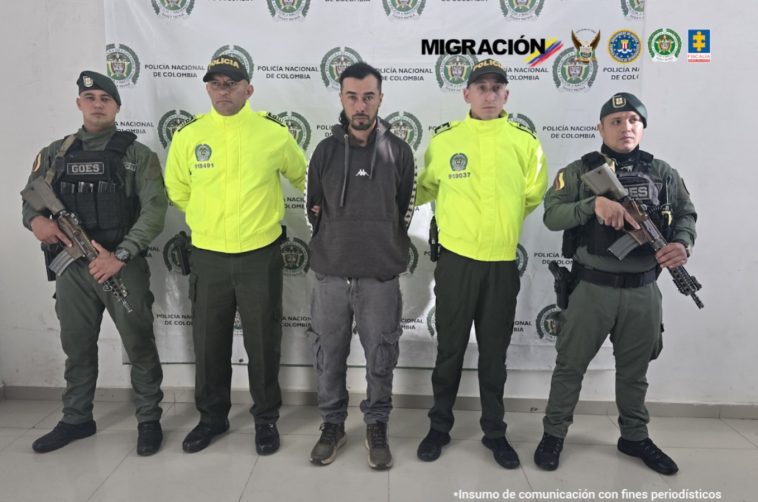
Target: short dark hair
x=360, y=70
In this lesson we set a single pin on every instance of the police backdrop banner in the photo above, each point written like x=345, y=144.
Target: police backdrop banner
x=565, y=58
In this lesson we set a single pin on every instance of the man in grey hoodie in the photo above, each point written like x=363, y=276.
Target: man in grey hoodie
x=359, y=202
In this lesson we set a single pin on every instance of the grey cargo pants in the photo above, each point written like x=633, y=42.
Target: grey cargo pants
x=376, y=306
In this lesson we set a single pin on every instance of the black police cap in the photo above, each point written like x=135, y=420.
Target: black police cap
x=624, y=102
x=228, y=65
x=488, y=67
x=89, y=80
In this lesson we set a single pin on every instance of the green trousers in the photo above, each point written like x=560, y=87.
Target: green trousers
x=220, y=284
x=80, y=303
x=633, y=318
x=483, y=293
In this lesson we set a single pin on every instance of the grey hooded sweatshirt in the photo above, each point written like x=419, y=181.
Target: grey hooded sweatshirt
x=366, y=194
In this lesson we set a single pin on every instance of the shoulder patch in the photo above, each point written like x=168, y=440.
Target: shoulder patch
x=273, y=117
x=37, y=162
x=560, y=180
x=445, y=127
x=522, y=127
x=187, y=123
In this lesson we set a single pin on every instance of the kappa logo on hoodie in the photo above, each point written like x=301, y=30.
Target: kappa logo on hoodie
x=361, y=172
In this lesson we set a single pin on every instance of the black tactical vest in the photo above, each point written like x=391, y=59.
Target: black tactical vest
x=93, y=185
x=642, y=185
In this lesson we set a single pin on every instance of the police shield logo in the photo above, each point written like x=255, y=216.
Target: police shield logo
x=585, y=42
x=624, y=46
x=406, y=127
x=87, y=81
x=431, y=321
x=664, y=45
x=458, y=162
x=548, y=323
x=334, y=63
x=522, y=258
x=453, y=71
x=202, y=152
x=521, y=9
x=633, y=9
x=296, y=256
x=169, y=123
x=412, y=259
x=298, y=127
x=173, y=8
x=570, y=74
x=122, y=64
x=239, y=53
x=403, y=9
x=288, y=10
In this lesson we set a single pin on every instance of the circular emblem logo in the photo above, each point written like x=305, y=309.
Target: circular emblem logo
x=521, y=9
x=403, y=8
x=412, y=259
x=633, y=9
x=298, y=127
x=288, y=10
x=202, y=152
x=239, y=53
x=523, y=120
x=458, y=162
x=453, y=71
x=624, y=46
x=431, y=321
x=521, y=259
x=334, y=63
x=548, y=323
x=173, y=8
x=296, y=256
x=169, y=123
x=570, y=74
x=406, y=127
x=122, y=64
x=664, y=45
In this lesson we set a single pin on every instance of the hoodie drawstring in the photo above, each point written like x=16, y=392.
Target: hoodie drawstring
x=347, y=166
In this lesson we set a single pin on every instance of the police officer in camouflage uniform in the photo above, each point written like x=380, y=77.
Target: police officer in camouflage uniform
x=115, y=187
x=614, y=296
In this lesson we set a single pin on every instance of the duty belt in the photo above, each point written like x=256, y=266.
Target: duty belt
x=614, y=280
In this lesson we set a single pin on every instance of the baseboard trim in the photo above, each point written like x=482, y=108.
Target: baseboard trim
x=308, y=398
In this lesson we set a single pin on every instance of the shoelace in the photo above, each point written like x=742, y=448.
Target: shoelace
x=552, y=445
x=377, y=436
x=329, y=433
x=651, y=449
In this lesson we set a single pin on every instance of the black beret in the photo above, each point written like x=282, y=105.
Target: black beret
x=624, y=102
x=228, y=65
x=89, y=80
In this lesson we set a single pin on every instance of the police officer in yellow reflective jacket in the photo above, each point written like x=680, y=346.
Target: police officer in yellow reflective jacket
x=612, y=296
x=223, y=172
x=486, y=174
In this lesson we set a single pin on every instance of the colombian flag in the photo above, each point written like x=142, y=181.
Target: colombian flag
x=535, y=58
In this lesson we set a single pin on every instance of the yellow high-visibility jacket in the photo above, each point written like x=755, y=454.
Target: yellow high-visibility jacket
x=486, y=176
x=223, y=172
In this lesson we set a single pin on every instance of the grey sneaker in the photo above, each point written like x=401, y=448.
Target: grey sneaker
x=379, y=455
x=332, y=437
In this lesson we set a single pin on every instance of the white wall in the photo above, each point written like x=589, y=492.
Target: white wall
x=709, y=354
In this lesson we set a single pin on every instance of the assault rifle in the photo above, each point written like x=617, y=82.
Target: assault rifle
x=40, y=195
x=602, y=181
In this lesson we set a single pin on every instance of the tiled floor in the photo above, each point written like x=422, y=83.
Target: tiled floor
x=714, y=455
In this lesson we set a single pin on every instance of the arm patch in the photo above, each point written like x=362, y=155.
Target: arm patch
x=37, y=162
x=187, y=123
x=445, y=127
x=559, y=181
